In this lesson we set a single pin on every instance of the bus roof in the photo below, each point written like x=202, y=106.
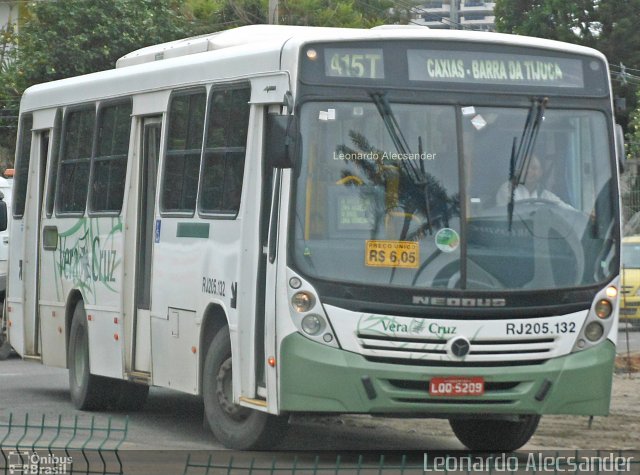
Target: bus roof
x=248, y=50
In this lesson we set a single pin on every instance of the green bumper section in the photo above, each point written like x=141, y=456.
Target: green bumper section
x=318, y=378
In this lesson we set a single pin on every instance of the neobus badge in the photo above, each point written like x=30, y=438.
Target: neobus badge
x=458, y=302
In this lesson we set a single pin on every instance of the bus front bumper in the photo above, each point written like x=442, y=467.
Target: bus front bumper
x=318, y=378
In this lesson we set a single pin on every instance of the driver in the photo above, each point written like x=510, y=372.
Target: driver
x=531, y=189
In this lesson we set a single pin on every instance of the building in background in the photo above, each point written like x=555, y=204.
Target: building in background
x=456, y=14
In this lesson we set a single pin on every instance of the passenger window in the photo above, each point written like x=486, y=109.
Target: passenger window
x=53, y=163
x=110, y=163
x=184, y=147
x=75, y=159
x=22, y=167
x=224, y=153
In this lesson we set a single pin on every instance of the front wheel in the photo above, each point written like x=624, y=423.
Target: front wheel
x=236, y=427
x=495, y=435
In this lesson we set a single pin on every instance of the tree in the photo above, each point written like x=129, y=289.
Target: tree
x=69, y=38
x=619, y=40
x=607, y=25
x=573, y=22
x=215, y=15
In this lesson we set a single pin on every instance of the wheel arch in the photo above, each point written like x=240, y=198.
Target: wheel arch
x=213, y=319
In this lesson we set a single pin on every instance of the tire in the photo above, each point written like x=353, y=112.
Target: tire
x=88, y=392
x=5, y=349
x=234, y=426
x=494, y=435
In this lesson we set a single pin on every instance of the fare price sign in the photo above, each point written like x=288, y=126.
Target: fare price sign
x=495, y=68
x=363, y=63
x=403, y=254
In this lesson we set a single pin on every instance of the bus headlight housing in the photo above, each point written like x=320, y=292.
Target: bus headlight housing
x=307, y=312
x=600, y=319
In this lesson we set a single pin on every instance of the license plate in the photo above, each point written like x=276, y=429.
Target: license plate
x=453, y=386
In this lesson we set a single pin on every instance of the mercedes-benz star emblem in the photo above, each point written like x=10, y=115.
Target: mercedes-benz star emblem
x=460, y=347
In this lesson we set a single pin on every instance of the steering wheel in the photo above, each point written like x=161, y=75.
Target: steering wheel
x=350, y=179
x=537, y=201
x=544, y=221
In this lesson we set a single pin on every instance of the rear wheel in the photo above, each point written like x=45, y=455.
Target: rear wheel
x=236, y=427
x=5, y=349
x=491, y=435
x=88, y=392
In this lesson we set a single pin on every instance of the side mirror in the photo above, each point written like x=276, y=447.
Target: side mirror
x=3, y=215
x=280, y=146
x=620, y=152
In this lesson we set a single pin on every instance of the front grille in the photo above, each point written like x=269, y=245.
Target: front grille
x=433, y=352
x=417, y=392
x=454, y=364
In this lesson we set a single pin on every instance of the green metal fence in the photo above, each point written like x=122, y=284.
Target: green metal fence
x=56, y=444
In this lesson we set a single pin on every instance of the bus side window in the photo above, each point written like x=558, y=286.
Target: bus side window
x=110, y=163
x=53, y=163
x=75, y=159
x=182, y=162
x=22, y=167
x=224, y=154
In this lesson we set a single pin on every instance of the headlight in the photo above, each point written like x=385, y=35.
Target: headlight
x=603, y=308
x=303, y=301
x=313, y=324
x=594, y=331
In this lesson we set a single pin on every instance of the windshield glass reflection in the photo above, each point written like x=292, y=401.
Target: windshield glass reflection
x=378, y=197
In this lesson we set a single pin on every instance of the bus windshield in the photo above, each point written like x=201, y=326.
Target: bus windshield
x=398, y=194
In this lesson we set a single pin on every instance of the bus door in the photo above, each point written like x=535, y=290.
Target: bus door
x=147, y=179
x=28, y=261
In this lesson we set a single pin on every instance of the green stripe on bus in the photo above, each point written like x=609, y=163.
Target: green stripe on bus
x=193, y=230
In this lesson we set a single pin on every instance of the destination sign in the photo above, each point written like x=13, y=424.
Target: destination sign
x=494, y=68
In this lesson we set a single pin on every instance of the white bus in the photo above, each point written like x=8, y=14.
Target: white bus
x=317, y=209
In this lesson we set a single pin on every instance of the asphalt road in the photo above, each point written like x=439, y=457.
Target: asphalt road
x=170, y=427
x=174, y=421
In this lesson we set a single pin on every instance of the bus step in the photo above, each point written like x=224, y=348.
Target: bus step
x=32, y=357
x=262, y=392
x=139, y=377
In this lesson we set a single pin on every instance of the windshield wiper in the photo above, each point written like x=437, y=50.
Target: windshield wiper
x=415, y=174
x=520, y=158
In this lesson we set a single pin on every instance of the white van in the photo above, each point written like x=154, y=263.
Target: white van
x=6, y=185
